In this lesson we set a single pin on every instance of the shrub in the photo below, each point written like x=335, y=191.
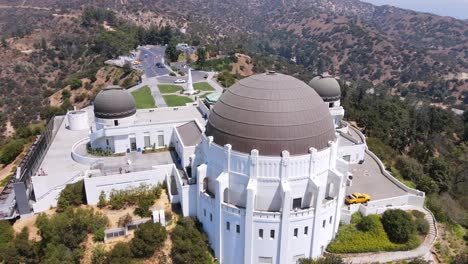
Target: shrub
x=148, y=237
x=74, y=194
x=398, y=225
x=422, y=226
x=366, y=224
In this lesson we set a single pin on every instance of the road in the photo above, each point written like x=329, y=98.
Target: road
x=149, y=56
x=153, y=75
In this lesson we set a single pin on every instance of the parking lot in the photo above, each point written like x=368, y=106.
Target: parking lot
x=368, y=178
x=197, y=76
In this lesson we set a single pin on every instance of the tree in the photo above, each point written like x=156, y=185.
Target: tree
x=398, y=225
x=125, y=220
x=4, y=43
x=144, y=203
x=10, y=151
x=120, y=254
x=190, y=245
x=127, y=68
x=114, y=43
x=74, y=83
x=73, y=195
x=171, y=52
x=148, y=238
x=102, y=200
x=201, y=54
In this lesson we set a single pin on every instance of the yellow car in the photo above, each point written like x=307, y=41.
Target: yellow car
x=357, y=198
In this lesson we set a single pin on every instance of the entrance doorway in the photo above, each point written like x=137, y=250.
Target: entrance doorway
x=133, y=145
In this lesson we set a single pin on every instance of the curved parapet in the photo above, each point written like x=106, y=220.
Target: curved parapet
x=78, y=147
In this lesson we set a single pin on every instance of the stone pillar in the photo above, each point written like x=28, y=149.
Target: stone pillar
x=250, y=207
x=285, y=210
x=189, y=87
x=221, y=184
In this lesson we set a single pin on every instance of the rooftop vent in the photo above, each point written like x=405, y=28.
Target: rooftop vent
x=271, y=73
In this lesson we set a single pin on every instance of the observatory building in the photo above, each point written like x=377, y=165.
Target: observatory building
x=264, y=166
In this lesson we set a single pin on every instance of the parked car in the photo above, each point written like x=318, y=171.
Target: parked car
x=179, y=81
x=357, y=198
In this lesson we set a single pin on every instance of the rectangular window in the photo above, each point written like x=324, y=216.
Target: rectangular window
x=204, y=212
x=272, y=233
x=107, y=142
x=228, y=226
x=147, y=142
x=160, y=141
x=116, y=122
x=295, y=232
x=297, y=203
x=324, y=223
x=331, y=217
x=260, y=233
x=237, y=228
x=306, y=230
x=211, y=217
x=265, y=260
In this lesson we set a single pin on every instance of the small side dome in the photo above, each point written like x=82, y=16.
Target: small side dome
x=114, y=102
x=327, y=87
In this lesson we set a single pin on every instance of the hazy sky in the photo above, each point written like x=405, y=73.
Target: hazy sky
x=454, y=8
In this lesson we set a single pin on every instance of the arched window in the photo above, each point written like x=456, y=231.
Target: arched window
x=205, y=184
x=226, y=195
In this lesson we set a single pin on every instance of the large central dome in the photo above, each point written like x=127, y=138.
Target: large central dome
x=271, y=112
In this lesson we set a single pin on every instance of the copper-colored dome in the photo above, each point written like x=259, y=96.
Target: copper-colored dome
x=114, y=102
x=271, y=112
x=327, y=87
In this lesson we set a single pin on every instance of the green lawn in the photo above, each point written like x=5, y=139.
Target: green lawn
x=351, y=240
x=203, y=86
x=175, y=100
x=143, y=98
x=169, y=88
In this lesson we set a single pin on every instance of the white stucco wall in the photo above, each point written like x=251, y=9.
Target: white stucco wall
x=94, y=185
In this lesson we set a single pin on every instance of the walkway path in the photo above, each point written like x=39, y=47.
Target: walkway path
x=213, y=83
x=383, y=257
